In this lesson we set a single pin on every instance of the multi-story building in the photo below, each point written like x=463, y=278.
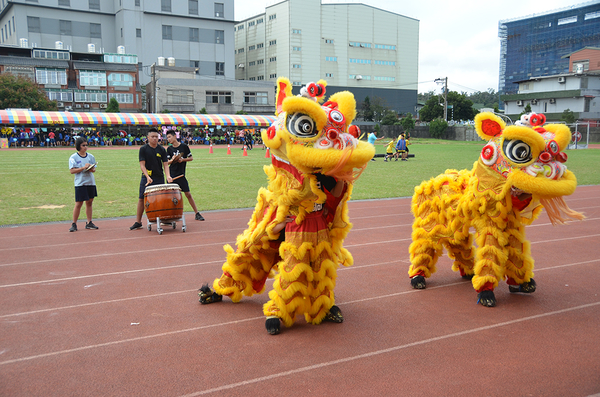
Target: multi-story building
x=355, y=47
x=77, y=80
x=577, y=90
x=536, y=45
x=194, y=33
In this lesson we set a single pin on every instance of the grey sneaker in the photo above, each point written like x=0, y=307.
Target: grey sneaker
x=199, y=217
x=73, y=227
x=136, y=225
x=91, y=225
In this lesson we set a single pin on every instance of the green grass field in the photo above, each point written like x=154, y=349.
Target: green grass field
x=36, y=186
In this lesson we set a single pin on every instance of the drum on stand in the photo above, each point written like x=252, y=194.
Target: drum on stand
x=163, y=203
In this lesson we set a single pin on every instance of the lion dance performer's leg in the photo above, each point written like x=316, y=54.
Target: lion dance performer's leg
x=307, y=273
x=519, y=266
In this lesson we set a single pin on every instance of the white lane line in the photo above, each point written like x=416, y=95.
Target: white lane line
x=385, y=351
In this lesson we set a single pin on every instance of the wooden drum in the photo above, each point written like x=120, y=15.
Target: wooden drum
x=164, y=202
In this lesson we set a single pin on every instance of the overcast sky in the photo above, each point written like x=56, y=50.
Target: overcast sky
x=458, y=39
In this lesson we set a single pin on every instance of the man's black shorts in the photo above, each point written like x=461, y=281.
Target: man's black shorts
x=143, y=184
x=85, y=193
x=183, y=184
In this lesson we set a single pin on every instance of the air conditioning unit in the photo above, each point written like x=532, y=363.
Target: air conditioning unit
x=241, y=66
x=60, y=104
x=86, y=105
x=552, y=100
x=562, y=79
x=103, y=106
x=534, y=101
x=519, y=103
x=78, y=106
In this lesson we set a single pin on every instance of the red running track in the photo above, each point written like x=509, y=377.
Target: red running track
x=114, y=312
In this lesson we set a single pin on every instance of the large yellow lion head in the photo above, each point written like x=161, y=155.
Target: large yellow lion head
x=529, y=154
x=314, y=137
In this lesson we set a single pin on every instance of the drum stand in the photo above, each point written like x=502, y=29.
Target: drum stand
x=172, y=222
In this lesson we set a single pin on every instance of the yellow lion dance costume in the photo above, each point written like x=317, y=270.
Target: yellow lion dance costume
x=316, y=157
x=520, y=171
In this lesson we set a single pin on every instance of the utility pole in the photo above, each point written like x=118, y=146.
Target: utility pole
x=154, y=87
x=445, y=80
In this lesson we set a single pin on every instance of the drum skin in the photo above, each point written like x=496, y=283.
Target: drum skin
x=164, y=202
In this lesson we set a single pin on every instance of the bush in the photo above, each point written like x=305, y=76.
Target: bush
x=437, y=128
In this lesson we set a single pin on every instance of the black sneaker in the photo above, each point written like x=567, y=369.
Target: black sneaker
x=199, y=217
x=91, y=225
x=73, y=227
x=136, y=225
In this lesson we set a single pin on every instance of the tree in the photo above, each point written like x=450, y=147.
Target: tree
x=462, y=107
x=113, y=106
x=365, y=110
x=390, y=118
x=438, y=127
x=488, y=99
x=379, y=109
x=568, y=116
x=202, y=111
x=22, y=93
x=526, y=110
x=407, y=122
x=432, y=109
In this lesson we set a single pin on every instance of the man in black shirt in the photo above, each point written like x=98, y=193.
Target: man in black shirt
x=153, y=160
x=179, y=154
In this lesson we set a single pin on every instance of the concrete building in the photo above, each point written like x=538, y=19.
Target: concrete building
x=577, y=90
x=182, y=90
x=356, y=47
x=535, y=46
x=192, y=33
x=83, y=81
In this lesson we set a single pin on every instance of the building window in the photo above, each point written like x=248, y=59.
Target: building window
x=180, y=96
x=272, y=42
x=297, y=66
x=120, y=80
x=296, y=31
x=384, y=78
x=138, y=33
x=165, y=5
x=251, y=63
x=260, y=78
x=95, y=30
x=51, y=76
x=272, y=16
x=364, y=61
x=167, y=32
x=273, y=76
x=328, y=74
x=219, y=10
x=259, y=20
x=240, y=27
x=260, y=61
x=92, y=78
x=66, y=3
x=94, y=4
x=218, y=97
x=194, y=64
x=387, y=63
x=90, y=96
x=219, y=36
x=260, y=45
x=251, y=23
x=251, y=48
x=48, y=54
x=240, y=50
x=61, y=96
x=331, y=59
x=121, y=97
x=195, y=35
x=385, y=47
x=252, y=78
x=360, y=45
x=220, y=68
x=297, y=48
x=328, y=41
x=137, y=3
x=363, y=77
x=273, y=59
x=193, y=7
x=65, y=27
x=33, y=24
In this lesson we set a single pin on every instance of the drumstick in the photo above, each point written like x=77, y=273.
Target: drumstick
x=177, y=177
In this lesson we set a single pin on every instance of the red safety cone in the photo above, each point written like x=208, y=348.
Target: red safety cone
x=267, y=154
x=245, y=151
x=211, y=149
x=228, y=148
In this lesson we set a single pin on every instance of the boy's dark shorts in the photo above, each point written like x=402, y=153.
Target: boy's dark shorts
x=143, y=186
x=183, y=184
x=85, y=193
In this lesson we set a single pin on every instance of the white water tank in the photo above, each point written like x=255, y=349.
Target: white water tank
x=24, y=43
x=161, y=61
x=121, y=49
x=91, y=47
x=58, y=45
x=171, y=61
x=579, y=68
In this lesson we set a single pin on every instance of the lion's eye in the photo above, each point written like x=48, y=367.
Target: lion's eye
x=301, y=125
x=517, y=151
